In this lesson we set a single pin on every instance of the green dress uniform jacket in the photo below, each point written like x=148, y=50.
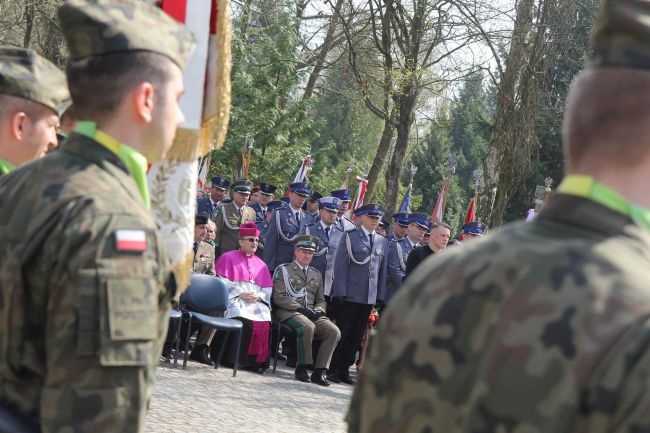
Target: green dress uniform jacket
x=541, y=328
x=228, y=219
x=85, y=291
x=204, y=259
x=286, y=306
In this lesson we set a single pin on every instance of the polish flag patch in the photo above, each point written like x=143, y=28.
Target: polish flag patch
x=130, y=240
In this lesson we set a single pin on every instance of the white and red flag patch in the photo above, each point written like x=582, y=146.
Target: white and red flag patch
x=130, y=240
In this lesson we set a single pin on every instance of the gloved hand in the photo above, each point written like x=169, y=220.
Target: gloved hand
x=338, y=300
x=309, y=313
x=379, y=305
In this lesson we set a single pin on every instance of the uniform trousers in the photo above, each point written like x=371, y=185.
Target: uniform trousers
x=306, y=331
x=352, y=319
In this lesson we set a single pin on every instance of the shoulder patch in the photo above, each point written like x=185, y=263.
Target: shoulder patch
x=130, y=240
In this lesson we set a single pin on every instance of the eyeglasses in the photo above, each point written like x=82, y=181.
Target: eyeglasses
x=251, y=240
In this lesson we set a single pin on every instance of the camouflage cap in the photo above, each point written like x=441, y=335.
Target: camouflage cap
x=621, y=35
x=25, y=74
x=96, y=27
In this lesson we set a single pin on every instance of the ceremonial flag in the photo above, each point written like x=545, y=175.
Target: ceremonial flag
x=436, y=215
x=303, y=171
x=405, y=207
x=204, y=166
x=362, y=187
x=471, y=211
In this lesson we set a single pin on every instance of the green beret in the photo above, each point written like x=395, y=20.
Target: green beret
x=621, y=35
x=243, y=186
x=96, y=27
x=306, y=242
x=25, y=74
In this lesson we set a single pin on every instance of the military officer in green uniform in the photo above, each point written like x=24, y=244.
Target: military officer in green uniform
x=298, y=296
x=228, y=217
x=204, y=256
x=86, y=284
x=33, y=93
x=542, y=327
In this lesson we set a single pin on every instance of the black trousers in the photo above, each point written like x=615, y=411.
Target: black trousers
x=352, y=319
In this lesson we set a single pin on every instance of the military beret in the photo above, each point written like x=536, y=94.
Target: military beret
x=300, y=188
x=306, y=242
x=242, y=186
x=331, y=203
x=220, y=182
x=475, y=228
x=97, y=27
x=343, y=194
x=267, y=188
x=371, y=209
x=200, y=219
x=621, y=35
x=25, y=74
x=401, y=218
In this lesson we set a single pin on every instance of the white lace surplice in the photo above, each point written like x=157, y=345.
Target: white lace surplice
x=257, y=311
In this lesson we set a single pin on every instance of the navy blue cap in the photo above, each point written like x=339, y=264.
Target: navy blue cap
x=342, y=194
x=275, y=205
x=372, y=209
x=243, y=186
x=331, y=203
x=300, y=188
x=315, y=195
x=401, y=219
x=220, y=182
x=267, y=188
x=419, y=218
x=285, y=199
x=475, y=228
x=383, y=224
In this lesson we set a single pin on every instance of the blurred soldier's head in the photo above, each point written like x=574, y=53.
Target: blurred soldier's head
x=200, y=228
x=125, y=71
x=606, y=128
x=33, y=93
x=440, y=234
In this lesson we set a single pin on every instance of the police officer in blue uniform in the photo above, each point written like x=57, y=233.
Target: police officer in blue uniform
x=263, y=224
x=359, y=283
x=328, y=234
x=474, y=229
x=345, y=200
x=207, y=205
x=284, y=226
x=398, y=251
x=398, y=227
x=312, y=205
x=266, y=196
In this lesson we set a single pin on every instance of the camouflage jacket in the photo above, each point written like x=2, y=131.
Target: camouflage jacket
x=541, y=328
x=84, y=292
x=204, y=258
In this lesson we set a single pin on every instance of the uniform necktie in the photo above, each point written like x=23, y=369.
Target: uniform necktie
x=298, y=217
x=327, y=233
x=305, y=272
x=371, y=240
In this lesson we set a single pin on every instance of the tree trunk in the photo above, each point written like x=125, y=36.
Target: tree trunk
x=380, y=157
x=29, y=23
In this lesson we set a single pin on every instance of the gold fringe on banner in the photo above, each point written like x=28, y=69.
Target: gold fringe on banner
x=183, y=271
x=224, y=63
x=184, y=148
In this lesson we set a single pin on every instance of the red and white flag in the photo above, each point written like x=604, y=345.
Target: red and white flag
x=362, y=187
x=471, y=211
x=436, y=215
x=130, y=240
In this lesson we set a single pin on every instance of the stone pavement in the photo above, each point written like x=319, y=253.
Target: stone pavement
x=202, y=399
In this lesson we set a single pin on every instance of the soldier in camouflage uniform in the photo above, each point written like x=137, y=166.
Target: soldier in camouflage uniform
x=543, y=327
x=86, y=285
x=33, y=93
x=228, y=217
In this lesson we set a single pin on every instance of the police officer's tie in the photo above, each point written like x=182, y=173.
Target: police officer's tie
x=371, y=237
x=327, y=233
x=298, y=217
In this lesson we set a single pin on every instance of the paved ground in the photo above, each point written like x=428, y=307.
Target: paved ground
x=202, y=399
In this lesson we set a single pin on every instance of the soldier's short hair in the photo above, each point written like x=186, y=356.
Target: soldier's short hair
x=10, y=105
x=99, y=84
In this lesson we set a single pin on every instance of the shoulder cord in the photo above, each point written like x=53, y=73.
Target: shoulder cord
x=351, y=256
x=280, y=232
x=400, y=256
x=299, y=296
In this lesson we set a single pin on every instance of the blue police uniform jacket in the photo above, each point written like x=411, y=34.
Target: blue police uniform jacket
x=359, y=282
x=397, y=267
x=280, y=232
x=204, y=206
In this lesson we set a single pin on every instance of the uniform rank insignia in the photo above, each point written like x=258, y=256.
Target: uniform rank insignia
x=130, y=240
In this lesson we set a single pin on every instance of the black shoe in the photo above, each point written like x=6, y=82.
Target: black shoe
x=345, y=378
x=301, y=373
x=318, y=377
x=291, y=363
x=333, y=377
x=200, y=354
x=257, y=370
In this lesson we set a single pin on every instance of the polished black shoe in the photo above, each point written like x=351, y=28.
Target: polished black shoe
x=333, y=377
x=345, y=378
x=291, y=363
x=301, y=373
x=200, y=354
x=318, y=377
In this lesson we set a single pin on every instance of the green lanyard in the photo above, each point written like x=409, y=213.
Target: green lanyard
x=135, y=162
x=5, y=167
x=587, y=187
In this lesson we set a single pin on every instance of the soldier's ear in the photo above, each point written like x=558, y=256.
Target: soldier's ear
x=17, y=125
x=143, y=99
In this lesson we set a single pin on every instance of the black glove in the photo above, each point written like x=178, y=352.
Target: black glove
x=379, y=305
x=309, y=313
x=338, y=300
